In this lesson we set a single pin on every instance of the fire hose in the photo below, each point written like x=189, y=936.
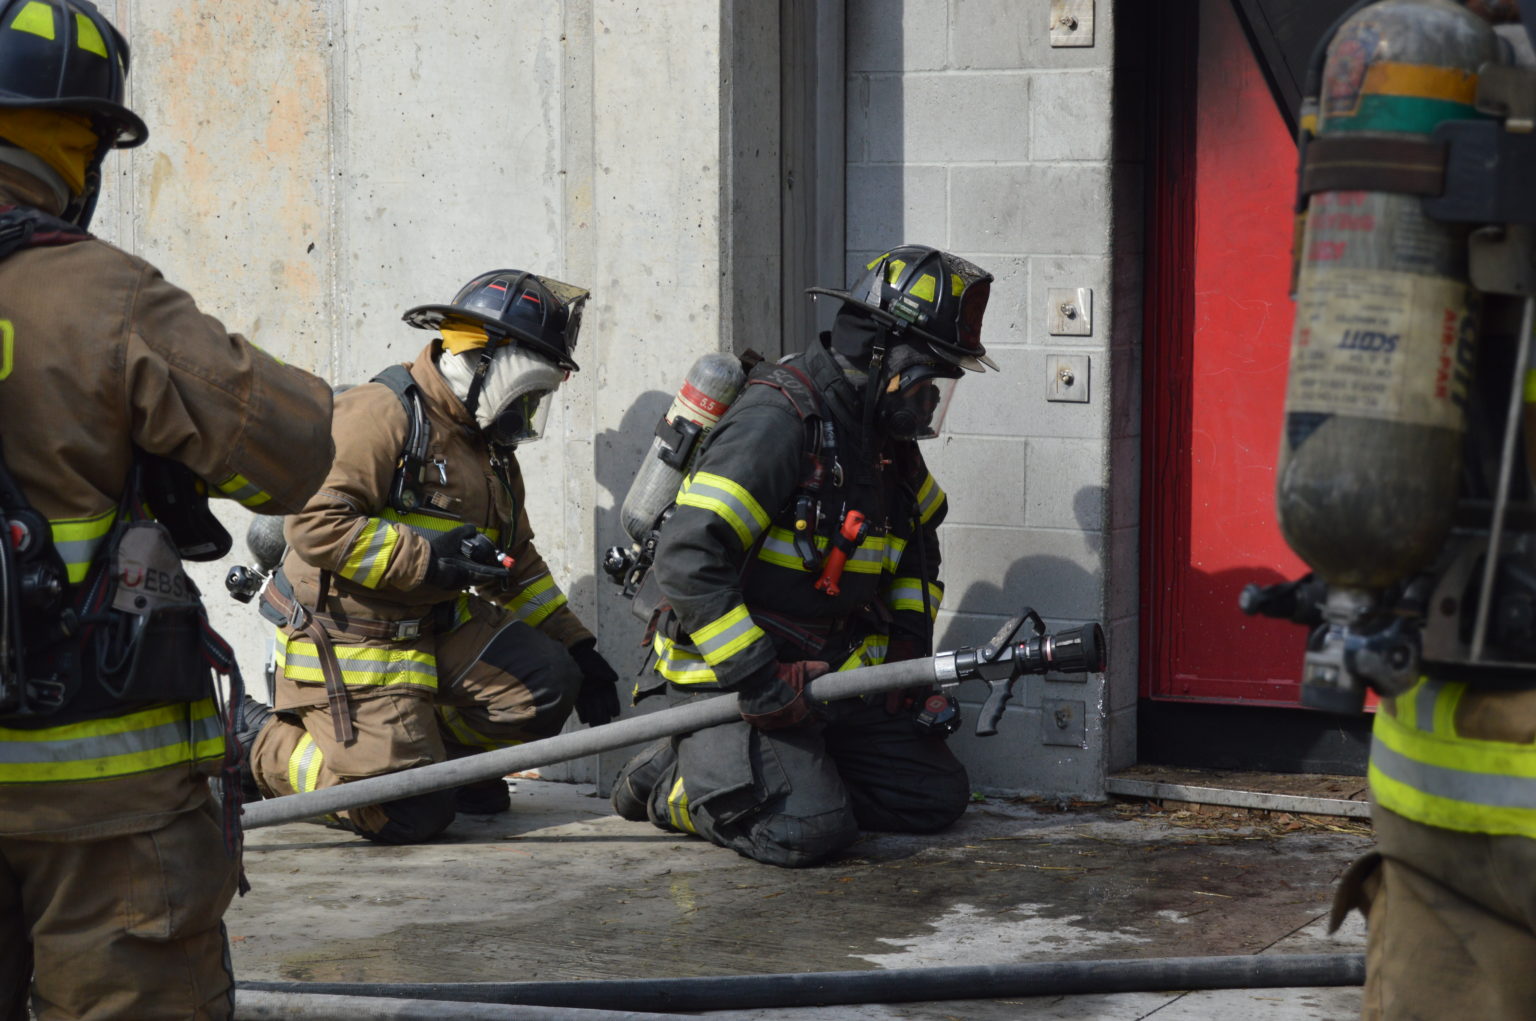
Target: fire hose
x=907, y=985
x=1000, y=663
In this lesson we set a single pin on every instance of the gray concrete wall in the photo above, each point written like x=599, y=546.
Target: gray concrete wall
x=315, y=168
x=968, y=131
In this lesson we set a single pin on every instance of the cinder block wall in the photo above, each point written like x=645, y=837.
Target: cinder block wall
x=967, y=130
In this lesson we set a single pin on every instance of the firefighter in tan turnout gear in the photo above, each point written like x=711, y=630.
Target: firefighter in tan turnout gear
x=417, y=620
x=115, y=865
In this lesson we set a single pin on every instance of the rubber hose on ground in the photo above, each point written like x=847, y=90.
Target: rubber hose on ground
x=809, y=989
x=253, y=1005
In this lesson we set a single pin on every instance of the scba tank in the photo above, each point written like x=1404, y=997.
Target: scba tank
x=1383, y=345
x=708, y=390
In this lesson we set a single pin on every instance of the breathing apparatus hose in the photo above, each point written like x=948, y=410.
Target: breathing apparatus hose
x=906, y=985
x=682, y=719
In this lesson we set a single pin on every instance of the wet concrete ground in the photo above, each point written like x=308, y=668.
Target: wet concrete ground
x=560, y=888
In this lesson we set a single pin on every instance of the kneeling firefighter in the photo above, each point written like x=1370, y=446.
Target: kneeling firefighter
x=1402, y=485
x=116, y=395
x=804, y=539
x=416, y=619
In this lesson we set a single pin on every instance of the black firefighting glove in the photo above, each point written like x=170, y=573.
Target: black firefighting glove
x=781, y=701
x=597, y=701
x=451, y=567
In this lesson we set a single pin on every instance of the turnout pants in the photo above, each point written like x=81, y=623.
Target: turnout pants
x=500, y=683
x=1452, y=923
x=793, y=797
x=124, y=928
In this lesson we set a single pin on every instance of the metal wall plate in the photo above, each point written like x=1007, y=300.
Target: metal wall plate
x=1064, y=722
x=1069, y=311
x=1067, y=378
x=1071, y=22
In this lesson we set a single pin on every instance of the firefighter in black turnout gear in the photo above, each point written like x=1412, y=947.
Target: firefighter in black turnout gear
x=805, y=540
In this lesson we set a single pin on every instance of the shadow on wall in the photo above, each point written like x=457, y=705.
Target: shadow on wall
x=1059, y=587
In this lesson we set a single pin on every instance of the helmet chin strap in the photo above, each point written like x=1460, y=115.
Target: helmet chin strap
x=477, y=384
x=873, y=384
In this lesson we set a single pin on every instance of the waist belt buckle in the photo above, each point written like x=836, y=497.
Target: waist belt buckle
x=407, y=629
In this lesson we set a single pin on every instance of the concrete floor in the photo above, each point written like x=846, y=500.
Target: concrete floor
x=560, y=888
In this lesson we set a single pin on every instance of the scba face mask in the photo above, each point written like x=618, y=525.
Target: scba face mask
x=916, y=402
x=514, y=400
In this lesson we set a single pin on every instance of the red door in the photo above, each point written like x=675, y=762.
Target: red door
x=1217, y=343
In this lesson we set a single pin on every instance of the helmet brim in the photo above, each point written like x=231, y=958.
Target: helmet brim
x=432, y=317
x=975, y=361
x=131, y=131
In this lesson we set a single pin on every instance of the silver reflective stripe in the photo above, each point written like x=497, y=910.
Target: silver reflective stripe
x=745, y=515
x=79, y=551
x=300, y=661
x=1424, y=705
x=306, y=763
x=1455, y=784
x=710, y=647
x=101, y=746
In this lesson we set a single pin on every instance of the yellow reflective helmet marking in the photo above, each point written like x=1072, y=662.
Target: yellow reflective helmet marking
x=36, y=18
x=927, y=288
x=88, y=36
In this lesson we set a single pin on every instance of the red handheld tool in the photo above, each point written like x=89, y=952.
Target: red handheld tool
x=847, y=539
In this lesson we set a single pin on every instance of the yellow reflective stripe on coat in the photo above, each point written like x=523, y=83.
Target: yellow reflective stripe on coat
x=304, y=765
x=894, y=548
x=870, y=652
x=538, y=599
x=361, y=665
x=1424, y=771
x=369, y=554
x=454, y=722
x=430, y=526
x=677, y=808
x=907, y=594
x=726, y=635
x=778, y=548
x=680, y=663
x=169, y=735
x=930, y=497
x=728, y=500
x=243, y=491
x=78, y=539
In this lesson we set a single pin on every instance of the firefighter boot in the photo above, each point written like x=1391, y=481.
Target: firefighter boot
x=483, y=797
x=250, y=717
x=633, y=786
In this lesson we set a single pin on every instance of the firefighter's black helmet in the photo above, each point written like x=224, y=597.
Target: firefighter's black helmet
x=923, y=294
x=540, y=313
x=64, y=55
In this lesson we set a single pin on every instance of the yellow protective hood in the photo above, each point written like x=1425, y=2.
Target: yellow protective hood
x=62, y=139
x=460, y=336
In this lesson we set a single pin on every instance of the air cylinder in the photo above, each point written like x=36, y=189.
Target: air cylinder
x=710, y=386
x=1383, y=345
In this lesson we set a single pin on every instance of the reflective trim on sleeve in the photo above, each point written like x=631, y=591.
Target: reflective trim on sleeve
x=726, y=635
x=729, y=500
x=304, y=765
x=778, y=548
x=538, y=599
x=243, y=491
x=930, y=497
x=677, y=808
x=907, y=594
x=369, y=553
x=362, y=666
x=870, y=652
x=681, y=663
x=430, y=526
x=78, y=539
x=167, y=735
x=895, y=547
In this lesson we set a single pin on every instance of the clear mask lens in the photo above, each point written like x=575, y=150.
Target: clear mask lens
x=521, y=421
x=917, y=410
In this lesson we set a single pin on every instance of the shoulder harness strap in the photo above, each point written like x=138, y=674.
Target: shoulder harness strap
x=25, y=227
x=411, y=467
